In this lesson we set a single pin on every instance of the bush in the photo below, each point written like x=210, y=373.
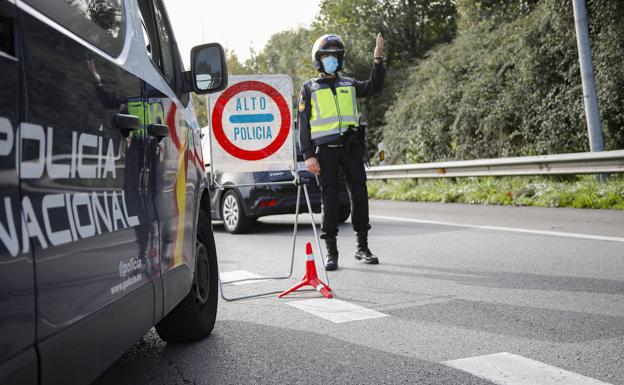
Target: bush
x=575, y=192
x=510, y=88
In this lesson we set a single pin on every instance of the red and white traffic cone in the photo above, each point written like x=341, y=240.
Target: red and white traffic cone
x=310, y=278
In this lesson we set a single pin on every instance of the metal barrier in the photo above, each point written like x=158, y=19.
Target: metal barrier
x=606, y=162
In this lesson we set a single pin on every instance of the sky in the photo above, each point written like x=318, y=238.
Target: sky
x=236, y=24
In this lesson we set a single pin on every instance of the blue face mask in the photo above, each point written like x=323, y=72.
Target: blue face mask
x=330, y=64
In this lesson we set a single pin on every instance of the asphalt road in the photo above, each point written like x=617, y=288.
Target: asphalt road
x=449, y=288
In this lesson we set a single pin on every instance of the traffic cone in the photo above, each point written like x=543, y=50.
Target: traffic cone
x=310, y=278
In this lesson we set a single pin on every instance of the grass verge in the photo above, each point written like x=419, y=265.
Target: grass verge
x=565, y=191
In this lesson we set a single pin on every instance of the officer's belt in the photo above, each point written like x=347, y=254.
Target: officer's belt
x=345, y=140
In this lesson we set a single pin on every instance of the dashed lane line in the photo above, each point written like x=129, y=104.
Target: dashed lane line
x=507, y=229
x=510, y=369
x=336, y=310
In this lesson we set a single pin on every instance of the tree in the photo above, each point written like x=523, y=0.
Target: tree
x=410, y=27
x=491, y=12
x=234, y=65
x=286, y=52
x=510, y=88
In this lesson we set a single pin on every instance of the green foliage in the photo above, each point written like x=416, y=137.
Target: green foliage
x=575, y=192
x=491, y=12
x=410, y=28
x=357, y=22
x=286, y=52
x=607, y=33
x=506, y=88
x=199, y=102
x=467, y=78
x=235, y=67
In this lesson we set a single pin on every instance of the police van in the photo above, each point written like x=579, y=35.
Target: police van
x=104, y=207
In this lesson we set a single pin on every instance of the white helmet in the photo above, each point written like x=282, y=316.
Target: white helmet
x=327, y=44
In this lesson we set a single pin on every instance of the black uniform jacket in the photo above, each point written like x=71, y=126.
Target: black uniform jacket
x=362, y=88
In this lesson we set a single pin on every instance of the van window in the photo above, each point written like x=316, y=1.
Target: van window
x=7, y=45
x=159, y=38
x=150, y=47
x=101, y=23
x=166, y=42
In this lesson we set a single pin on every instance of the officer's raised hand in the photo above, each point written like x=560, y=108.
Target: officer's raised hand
x=379, y=47
x=313, y=166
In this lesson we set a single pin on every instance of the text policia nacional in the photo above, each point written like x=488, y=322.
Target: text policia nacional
x=63, y=217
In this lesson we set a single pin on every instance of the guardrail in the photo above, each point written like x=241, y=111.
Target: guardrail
x=606, y=162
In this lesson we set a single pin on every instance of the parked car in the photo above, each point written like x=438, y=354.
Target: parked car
x=240, y=207
x=104, y=206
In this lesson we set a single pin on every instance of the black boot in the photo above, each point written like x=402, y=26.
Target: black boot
x=363, y=253
x=332, y=254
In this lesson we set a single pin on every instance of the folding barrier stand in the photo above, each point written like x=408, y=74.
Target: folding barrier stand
x=300, y=186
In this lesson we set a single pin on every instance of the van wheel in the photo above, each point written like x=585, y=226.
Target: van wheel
x=194, y=317
x=234, y=219
x=343, y=213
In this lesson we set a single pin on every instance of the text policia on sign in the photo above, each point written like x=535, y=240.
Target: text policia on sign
x=246, y=125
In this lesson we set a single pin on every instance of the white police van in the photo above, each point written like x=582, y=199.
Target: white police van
x=104, y=208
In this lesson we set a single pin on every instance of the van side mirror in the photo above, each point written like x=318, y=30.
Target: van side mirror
x=208, y=68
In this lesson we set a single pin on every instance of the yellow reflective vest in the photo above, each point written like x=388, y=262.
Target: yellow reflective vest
x=332, y=114
x=148, y=113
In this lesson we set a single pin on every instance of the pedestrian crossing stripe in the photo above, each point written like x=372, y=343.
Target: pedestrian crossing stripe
x=227, y=277
x=510, y=369
x=335, y=310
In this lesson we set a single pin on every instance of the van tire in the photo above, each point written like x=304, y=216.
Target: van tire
x=194, y=318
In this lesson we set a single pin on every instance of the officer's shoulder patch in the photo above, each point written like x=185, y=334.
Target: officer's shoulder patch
x=301, y=102
x=315, y=86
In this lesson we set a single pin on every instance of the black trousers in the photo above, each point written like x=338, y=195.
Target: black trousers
x=350, y=161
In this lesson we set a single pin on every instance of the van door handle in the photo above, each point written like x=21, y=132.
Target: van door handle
x=159, y=131
x=127, y=123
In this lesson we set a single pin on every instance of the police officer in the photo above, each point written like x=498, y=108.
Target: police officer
x=328, y=123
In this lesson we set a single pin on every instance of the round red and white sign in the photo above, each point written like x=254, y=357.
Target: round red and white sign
x=251, y=120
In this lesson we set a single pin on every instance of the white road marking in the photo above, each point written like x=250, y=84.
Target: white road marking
x=335, y=310
x=508, y=229
x=229, y=276
x=511, y=369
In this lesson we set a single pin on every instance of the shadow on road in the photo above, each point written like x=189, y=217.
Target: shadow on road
x=521, y=321
x=504, y=319
x=248, y=353
x=505, y=280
